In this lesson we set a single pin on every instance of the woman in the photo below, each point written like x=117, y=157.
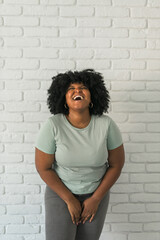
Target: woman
x=79, y=155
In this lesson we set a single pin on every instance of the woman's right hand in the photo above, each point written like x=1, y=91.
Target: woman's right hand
x=75, y=209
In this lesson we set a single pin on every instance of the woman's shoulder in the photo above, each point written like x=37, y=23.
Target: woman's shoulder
x=56, y=119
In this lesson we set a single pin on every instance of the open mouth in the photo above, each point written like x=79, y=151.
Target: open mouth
x=78, y=98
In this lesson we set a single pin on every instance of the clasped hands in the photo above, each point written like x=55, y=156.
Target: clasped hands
x=81, y=213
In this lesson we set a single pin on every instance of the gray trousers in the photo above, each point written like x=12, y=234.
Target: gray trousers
x=58, y=222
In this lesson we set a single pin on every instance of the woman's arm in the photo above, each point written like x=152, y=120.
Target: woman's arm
x=44, y=163
x=116, y=160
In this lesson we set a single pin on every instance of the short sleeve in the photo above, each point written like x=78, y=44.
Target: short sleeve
x=45, y=140
x=114, y=138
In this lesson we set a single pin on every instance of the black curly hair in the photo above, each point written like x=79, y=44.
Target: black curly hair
x=91, y=79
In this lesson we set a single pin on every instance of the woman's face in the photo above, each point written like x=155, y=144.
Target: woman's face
x=78, y=96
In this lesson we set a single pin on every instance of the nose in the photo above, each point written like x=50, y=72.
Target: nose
x=78, y=90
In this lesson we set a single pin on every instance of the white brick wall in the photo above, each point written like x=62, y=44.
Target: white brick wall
x=120, y=38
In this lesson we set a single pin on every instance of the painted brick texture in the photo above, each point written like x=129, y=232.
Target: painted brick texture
x=40, y=38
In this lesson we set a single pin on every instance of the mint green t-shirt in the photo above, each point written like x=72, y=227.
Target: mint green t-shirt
x=80, y=154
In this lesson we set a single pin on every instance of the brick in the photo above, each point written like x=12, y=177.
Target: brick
x=76, y=32
x=128, y=64
x=21, y=42
x=144, y=117
x=118, y=117
x=33, y=179
x=35, y=95
x=22, y=85
x=94, y=2
x=10, y=158
x=57, y=2
x=153, y=3
x=34, y=199
x=141, y=236
x=144, y=177
x=127, y=188
x=152, y=187
x=23, y=209
x=33, y=2
x=93, y=22
x=144, y=197
x=128, y=208
x=133, y=147
x=127, y=85
x=21, y=21
x=132, y=127
x=145, y=137
x=123, y=96
x=131, y=167
x=153, y=44
x=9, y=32
x=125, y=107
x=10, y=74
x=145, y=12
x=40, y=53
x=113, y=236
x=76, y=54
x=111, y=218
x=57, y=22
x=96, y=64
x=34, y=219
x=111, y=33
x=20, y=168
x=145, y=217
x=128, y=43
x=146, y=75
x=9, y=53
x=57, y=64
x=22, y=189
x=23, y=127
x=153, y=127
x=153, y=107
x=152, y=226
x=10, y=96
x=153, y=33
x=1, y=63
x=35, y=117
x=40, y=32
x=10, y=10
x=22, y=64
x=40, y=11
x=111, y=12
x=150, y=147
x=39, y=74
x=146, y=54
x=11, y=199
x=145, y=157
x=5, y=219
x=22, y=229
x=11, y=237
x=11, y=178
x=129, y=3
x=11, y=138
x=153, y=207
x=94, y=43
x=153, y=65
x=30, y=137
x=11, y=117
x=76, y=11
x=127, y=227
x=2, y=230
x=154, y=23
x=22, y=107
x=29, y=158
x=111, y=54
x=129, y=23
x=118, y=198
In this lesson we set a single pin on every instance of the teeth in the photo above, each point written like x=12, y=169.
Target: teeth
x=78, y=96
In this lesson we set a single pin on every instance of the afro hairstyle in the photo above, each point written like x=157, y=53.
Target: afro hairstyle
x=91, y=79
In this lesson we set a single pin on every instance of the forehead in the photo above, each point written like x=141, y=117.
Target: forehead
x=76, y=85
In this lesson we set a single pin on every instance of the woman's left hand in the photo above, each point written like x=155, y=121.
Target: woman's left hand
x=90, y=206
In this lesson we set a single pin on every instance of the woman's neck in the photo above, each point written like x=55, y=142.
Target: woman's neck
x=79, y=120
